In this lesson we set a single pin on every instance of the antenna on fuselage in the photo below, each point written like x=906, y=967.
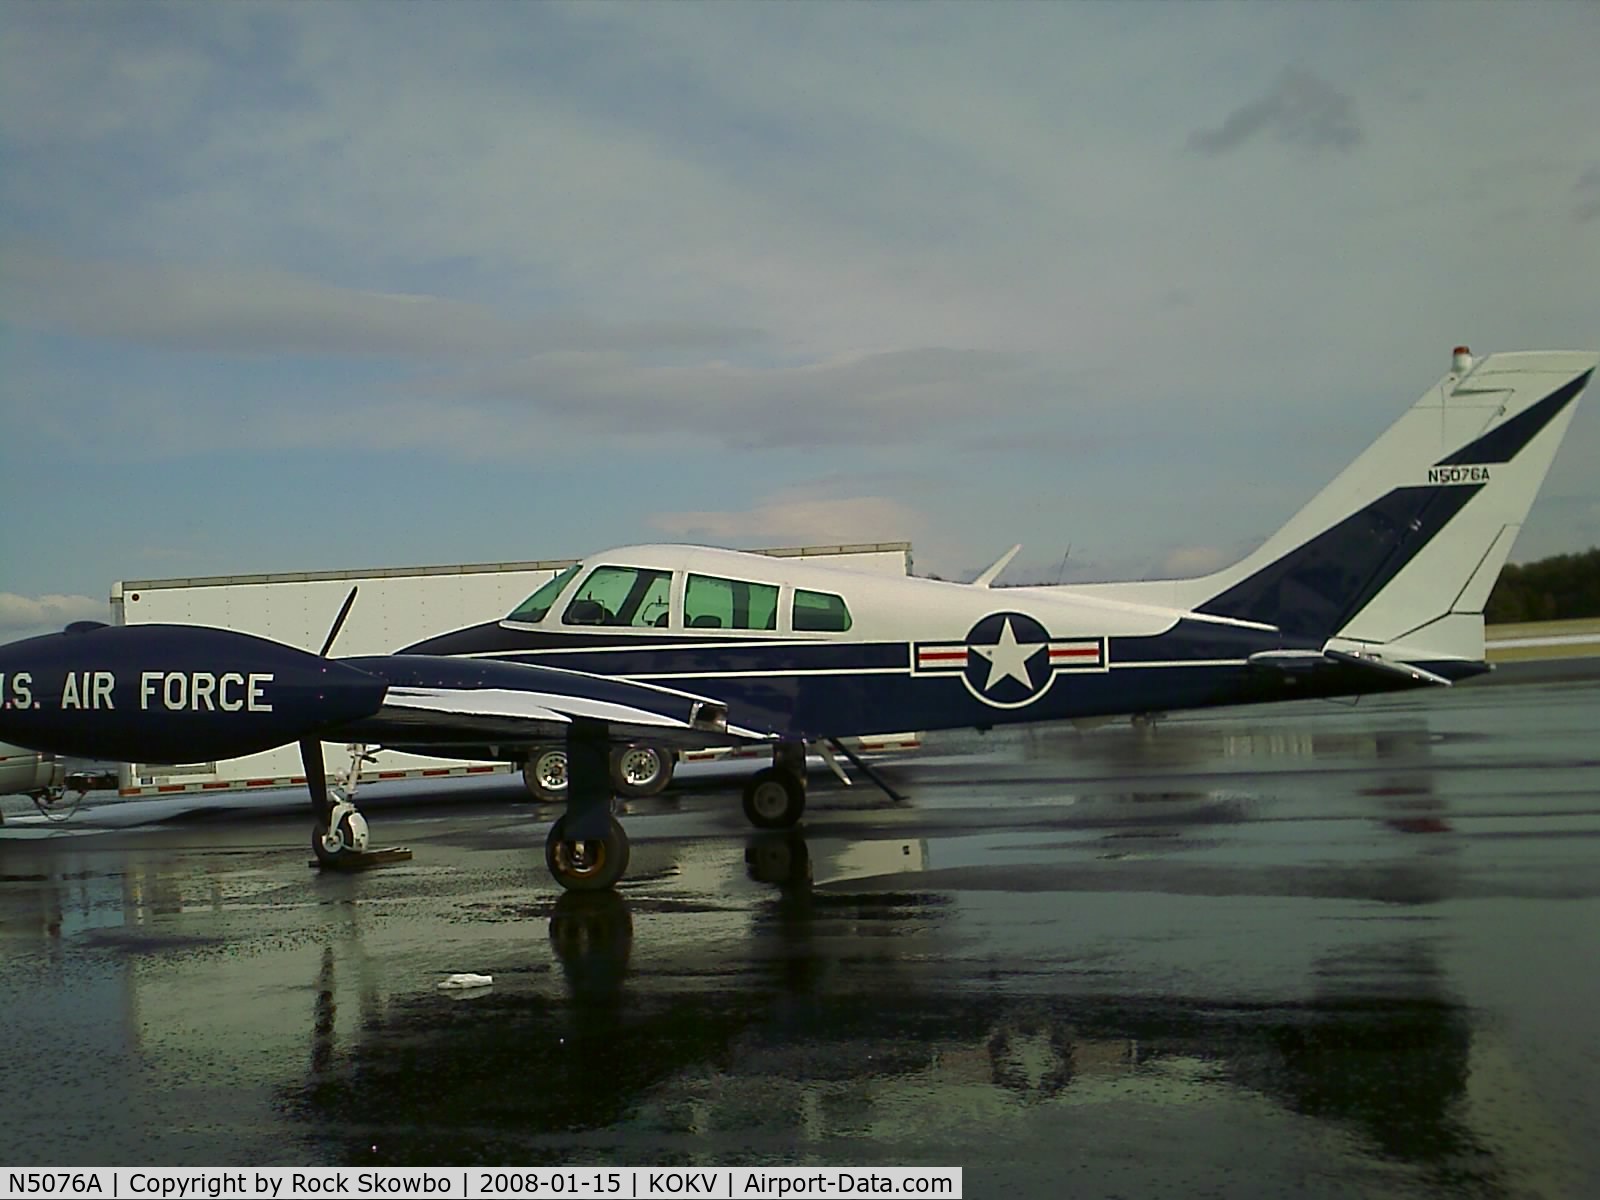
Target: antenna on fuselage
x=1062, y=569
x=989, y=576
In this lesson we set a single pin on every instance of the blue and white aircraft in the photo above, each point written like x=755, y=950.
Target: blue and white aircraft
x=1378, y=584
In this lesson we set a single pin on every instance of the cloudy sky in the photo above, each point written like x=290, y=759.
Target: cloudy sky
x=302, y=286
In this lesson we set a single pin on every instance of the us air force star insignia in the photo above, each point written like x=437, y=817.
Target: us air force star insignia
x=1008, y=659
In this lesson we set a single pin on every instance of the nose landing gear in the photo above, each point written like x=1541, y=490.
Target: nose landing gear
x=339, y=834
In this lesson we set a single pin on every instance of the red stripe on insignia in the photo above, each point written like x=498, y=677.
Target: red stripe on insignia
x=1078, y=652
x=932, y=656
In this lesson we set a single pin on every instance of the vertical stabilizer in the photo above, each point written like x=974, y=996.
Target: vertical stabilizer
x=1405, y=545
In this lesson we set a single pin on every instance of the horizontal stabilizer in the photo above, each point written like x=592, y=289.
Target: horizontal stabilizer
x=1299, y=661
x=1388, y=666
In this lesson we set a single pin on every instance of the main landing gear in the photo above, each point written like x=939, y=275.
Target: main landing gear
x=775, y=797
x=587, y=864
x=587, y=848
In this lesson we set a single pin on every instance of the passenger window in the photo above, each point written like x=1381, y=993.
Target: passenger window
x=820, y=612
x=629, y=596
x=536, y=605
x=712, y=603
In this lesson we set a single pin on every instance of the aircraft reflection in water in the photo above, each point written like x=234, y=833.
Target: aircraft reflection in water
x=833, y=1022
x=1256, y=1010
x=835, y=1025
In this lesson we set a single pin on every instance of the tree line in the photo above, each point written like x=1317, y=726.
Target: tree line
x=1563, y=587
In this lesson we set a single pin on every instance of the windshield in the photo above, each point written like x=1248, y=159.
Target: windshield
x=536, y=605
x=621, y=596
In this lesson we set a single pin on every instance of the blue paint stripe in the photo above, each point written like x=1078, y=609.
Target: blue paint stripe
x=1506, y=440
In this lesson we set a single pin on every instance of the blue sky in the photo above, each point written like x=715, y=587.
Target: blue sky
x=304, y=286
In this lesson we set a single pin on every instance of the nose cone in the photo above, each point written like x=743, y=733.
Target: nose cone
x=172, y=693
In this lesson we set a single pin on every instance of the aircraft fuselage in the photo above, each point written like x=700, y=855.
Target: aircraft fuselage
x=914, y=653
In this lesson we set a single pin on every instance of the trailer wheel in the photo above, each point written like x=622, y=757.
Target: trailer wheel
x=641, y=769
x=545, y=774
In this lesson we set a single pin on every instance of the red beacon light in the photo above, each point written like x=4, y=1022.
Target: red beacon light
x=1461, y=360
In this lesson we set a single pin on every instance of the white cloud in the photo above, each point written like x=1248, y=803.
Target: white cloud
x=28, y=616
x=1586, y=193
x=901, y=396
x=551, y=403
x=73, y=74
x=1187, y=561
x=800, y=519
x=970, y=239
x=244, y=310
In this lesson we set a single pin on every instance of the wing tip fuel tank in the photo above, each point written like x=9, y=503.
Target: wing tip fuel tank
x=167, y=693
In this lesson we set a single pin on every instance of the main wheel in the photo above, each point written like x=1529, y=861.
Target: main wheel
x=545, y=773
x=774, y=798
x=589, y=865
x=640, y=770
x=343, y=841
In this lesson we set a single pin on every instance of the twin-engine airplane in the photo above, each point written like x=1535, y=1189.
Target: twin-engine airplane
x=1378, y=584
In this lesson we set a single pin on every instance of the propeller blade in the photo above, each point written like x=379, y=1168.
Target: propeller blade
x=338, y=624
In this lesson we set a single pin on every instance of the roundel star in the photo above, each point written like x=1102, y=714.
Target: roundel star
x=1008, y=658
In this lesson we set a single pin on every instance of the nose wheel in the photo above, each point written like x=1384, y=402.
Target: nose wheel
x=339, y=835
x=339, y=843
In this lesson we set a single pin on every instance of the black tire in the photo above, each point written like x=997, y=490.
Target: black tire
x=591, y=866
x=545, y=773
x=774, y=799
x=640, y=770
x=345, y=854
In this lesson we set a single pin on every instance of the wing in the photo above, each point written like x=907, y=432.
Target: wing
x=436, y=703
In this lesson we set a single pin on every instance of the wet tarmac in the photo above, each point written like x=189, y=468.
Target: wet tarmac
x=1328, y=951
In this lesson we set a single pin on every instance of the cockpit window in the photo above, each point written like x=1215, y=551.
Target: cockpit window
x=820, y=612
x=712, y=603
x=630, y=596
x=536, y=605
